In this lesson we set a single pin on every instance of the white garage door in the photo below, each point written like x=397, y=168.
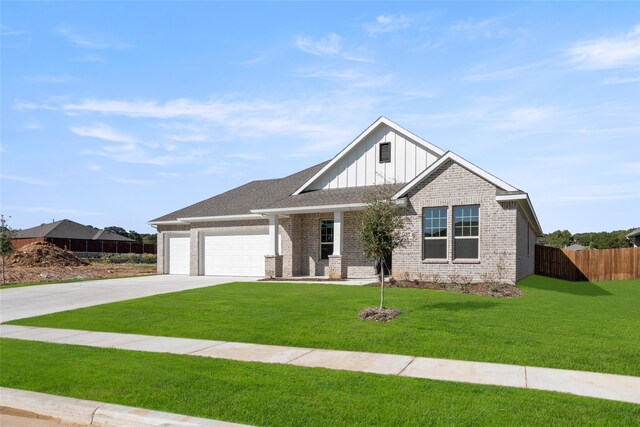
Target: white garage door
x=235, y=254
x=178, y=255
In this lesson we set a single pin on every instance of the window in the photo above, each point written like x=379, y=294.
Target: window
x=326, y=239
x=385, y=152
x=434, y=227
x=466, y=231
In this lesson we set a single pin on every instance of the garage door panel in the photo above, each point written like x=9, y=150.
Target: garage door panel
x=235, y=254
x=179, y=255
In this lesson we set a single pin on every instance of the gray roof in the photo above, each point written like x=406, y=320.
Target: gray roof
x=67, y=229
x=576, y=247
x=241, y=200
x=339, y=196
x=634, y=233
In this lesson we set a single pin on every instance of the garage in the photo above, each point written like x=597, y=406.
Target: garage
x=234, y=254
x=179, y=259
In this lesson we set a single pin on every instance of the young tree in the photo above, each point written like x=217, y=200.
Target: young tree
x=381, y=229
x=6, y=248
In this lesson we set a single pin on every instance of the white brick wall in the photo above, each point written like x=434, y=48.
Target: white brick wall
x=453, y=185
x=505, y=236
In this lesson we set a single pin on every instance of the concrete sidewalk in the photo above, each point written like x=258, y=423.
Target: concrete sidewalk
x=88, y=412
x=591, y=384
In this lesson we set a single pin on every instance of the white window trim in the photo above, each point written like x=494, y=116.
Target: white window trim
x=454, y=237
x=446, y=252
x=326, y=243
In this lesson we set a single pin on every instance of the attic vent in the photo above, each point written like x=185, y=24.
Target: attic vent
x=385, y=152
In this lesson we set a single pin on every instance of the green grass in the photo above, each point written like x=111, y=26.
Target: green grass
x=582, y=326
x=262, y=394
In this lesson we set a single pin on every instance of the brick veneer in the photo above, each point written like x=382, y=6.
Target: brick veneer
x=453, y=185
x=505, y=236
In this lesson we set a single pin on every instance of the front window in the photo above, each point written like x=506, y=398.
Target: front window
x=434, y=227
x=466, y=223
x=326, y=239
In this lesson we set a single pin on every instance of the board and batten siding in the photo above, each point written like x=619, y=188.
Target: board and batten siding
x=361, y=166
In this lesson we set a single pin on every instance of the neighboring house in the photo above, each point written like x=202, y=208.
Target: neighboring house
x=460, y=218
x=576, y=247
x=634, y=237
x=75, y=237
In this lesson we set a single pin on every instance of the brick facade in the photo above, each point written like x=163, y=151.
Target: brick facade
x=453, y=185
x=506, y=241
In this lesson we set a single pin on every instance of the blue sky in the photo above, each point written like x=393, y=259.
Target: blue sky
x=117, y=113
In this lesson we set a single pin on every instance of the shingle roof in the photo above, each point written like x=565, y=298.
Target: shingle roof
x=634, y=233
x=67, y=229
x=338, y=196
x=241, y=200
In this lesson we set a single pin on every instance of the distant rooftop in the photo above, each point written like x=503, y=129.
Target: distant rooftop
x=67, y=229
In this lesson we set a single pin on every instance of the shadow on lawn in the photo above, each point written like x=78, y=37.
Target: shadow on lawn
x=462, y=305
x=587, y=289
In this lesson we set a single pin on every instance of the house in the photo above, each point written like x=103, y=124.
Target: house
x=576, y=247
x=634, y=237
x=76, y=237
x=460, y=218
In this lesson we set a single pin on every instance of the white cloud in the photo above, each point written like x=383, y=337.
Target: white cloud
x=31, y=126
x=388, y=24
x=245, y=156
x=92, y=58
x=49, y=79
x=94, y=168
x=355, y=78
x=91, y=42
x=27, y=180
x=329, y=45
x=8, y=32
x=189, y=137
x=607, y=52
x=102, y=131
x=26, y=106
x=621, y=80
x=478, y=74
x=134, y=181
x=488, y=28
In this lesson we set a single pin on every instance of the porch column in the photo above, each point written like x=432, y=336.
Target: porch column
x=337, y=261
x=273, y=260
x=337, y=233
x=273, y=235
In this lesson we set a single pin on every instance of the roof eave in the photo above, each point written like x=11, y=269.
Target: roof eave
x=317, y=209
x=524, y=202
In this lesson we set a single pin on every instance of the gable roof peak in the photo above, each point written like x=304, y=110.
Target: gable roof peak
x=380, y=120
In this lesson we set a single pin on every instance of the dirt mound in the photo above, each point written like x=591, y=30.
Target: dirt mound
x=43, y=254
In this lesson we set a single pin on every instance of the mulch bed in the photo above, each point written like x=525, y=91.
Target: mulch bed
x=378, y=314
x=496, y=290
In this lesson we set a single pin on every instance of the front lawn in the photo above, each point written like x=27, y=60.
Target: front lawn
x=582, y=326
x=283, y=395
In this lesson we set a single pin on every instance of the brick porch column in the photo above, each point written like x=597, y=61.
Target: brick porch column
x=273, y=265
x=337, y=267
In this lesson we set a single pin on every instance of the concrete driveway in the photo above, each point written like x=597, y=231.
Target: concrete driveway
x=29, y=301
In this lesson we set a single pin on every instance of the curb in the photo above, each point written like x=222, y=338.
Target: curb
x=89, y=412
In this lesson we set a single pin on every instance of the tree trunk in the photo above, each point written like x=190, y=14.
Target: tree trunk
x=381, y=282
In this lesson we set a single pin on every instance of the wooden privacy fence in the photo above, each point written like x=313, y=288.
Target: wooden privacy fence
x=588, y=265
